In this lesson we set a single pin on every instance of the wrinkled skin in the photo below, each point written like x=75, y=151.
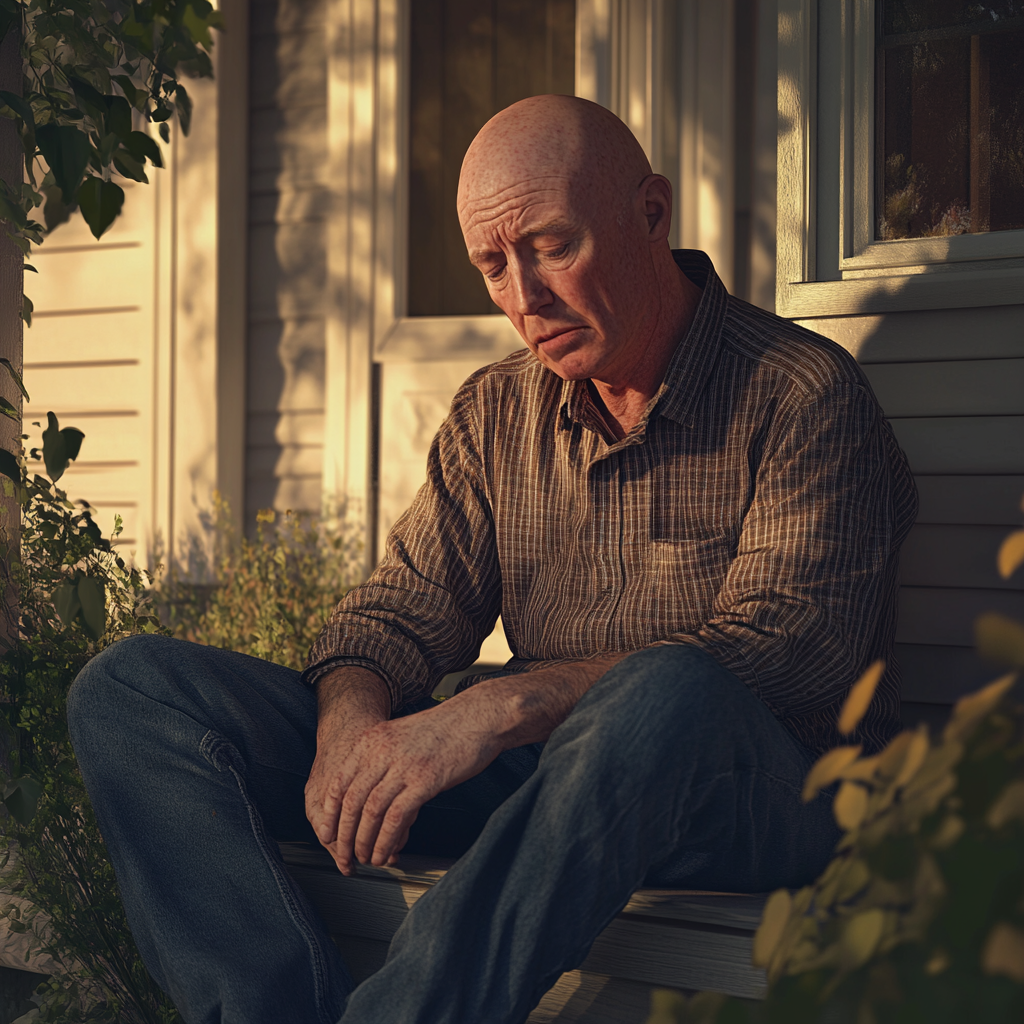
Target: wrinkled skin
x=569, y=227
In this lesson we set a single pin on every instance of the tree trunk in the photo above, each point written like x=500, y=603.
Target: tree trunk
x=12, y=274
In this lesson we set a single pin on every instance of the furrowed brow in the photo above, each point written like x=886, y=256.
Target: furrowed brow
x=553, y=227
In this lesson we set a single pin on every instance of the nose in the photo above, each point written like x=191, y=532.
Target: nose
x=531, y=294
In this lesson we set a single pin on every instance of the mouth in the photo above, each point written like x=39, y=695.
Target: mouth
x=558, y=333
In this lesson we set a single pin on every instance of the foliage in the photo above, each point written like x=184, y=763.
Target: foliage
x=273, y=591
x=94, y=71
x=76, y=596
x=919, y=917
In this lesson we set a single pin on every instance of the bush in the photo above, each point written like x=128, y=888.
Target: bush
x=75, y=596
x=272, y=592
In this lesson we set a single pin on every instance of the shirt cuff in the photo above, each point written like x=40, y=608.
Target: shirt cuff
x=314, y=673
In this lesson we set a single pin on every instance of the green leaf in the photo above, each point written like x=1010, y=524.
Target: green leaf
x=67, y=151
x=101, y=202
x=21, y=798
x=9, y=465
x=127, y=165
x=94, y=606
x=136, y=97
x=15, y=376
x=183, y=102
x=196, y=24
x=17, y=104
x=119, y=116
x=66, y=601
x=26, y=310
x=60, y=446
x=165, y=132
x=90, y=101
x=8, y=410
x=143, y=147
x=56, y=211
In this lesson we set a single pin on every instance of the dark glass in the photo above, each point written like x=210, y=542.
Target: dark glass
x=469, y=60
x=950, y=117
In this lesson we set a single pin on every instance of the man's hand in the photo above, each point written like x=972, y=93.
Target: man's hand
x=371, y=775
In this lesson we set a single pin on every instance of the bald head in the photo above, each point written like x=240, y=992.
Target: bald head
x=569, y=227
x=560, y=136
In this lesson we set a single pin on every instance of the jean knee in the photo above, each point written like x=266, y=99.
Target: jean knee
x=99, y=687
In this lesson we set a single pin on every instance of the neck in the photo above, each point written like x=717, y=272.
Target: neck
x=625, y=400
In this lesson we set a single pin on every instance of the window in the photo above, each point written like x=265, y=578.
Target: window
x=468, y=61
x=949, y=118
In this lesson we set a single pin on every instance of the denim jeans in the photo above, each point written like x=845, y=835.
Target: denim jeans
x=669, y=772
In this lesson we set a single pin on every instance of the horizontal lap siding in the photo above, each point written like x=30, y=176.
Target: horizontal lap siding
x=287, y=260
x=89, y=358
x=952, y=384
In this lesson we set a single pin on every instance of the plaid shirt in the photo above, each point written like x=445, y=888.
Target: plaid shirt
x=756, y=511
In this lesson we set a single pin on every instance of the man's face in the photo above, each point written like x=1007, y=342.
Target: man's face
x=571, y=272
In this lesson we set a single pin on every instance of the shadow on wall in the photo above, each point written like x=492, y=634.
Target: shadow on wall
x=952, y=384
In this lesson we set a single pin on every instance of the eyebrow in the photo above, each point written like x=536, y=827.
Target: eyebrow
x=551, y=227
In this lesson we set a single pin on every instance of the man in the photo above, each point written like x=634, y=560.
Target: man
x=688, y=513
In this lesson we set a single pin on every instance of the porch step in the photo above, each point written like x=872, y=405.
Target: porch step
x=670, y=938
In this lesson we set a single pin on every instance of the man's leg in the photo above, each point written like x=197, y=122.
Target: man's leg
x=196, y=759
x=177, y=744
x=669, y=771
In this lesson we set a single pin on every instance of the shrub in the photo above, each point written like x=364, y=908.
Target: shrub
x=75, y=596
x=272, y=592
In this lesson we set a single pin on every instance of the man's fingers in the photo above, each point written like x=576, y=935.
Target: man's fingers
x=378, y=809
x=394, y=830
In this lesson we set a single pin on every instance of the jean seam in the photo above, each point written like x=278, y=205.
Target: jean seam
x=211, y=746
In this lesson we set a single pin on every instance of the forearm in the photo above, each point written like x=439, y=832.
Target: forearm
x=526, y=708
x=351, y=697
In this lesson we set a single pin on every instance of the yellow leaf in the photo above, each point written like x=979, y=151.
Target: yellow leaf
x=667, y=1007
x=1009, y=805
x=890, y=759
x=975, y=706
x=999, y=639
x=951, y=829
x=773, y=924
x=850, y=805
x=861, y=936
x=916, y=753
x=1011, y=554
x=938, y=963
x=859, y=698
x=1004, y=952
x=862, y=770
x=827, y=769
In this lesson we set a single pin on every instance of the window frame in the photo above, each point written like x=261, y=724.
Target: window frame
x=829, y=262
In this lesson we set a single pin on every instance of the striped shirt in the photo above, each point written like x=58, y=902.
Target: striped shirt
x=756, y=511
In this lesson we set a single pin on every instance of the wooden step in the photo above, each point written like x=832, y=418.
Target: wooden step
x=663, y=937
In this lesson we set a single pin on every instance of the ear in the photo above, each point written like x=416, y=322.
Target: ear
x=655, y=196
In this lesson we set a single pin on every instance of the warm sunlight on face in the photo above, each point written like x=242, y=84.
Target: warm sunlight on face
x=559, y=228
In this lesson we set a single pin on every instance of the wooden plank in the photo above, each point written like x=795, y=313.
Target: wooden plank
x=118, y=332
x=987, y=445
x=288, y=146
x=288, y=205
x=106, y=387
x=302, y=494
x=277, y=17
x=973, y=387
x=287, y=270
x=678, y=955
x=954, y=556
x=285, y=460
x=286, y=426
x=288, y=69
x=987, y=332
x=934, y=674
x=593, y=998
x=96, y=276
x=978, y=500
x=945, y=616
x=290, y=354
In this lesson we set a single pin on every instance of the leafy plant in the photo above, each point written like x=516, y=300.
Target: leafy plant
x=272, y=592
x=919, y=917
x=95, y=70
x=75, y=597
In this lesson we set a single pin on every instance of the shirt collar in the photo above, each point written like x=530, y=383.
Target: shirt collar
x=691, y=362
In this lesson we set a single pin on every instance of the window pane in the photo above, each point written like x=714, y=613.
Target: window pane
x=469, y=60
x=950, y=117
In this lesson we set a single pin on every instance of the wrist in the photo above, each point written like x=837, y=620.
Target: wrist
x=351, y=697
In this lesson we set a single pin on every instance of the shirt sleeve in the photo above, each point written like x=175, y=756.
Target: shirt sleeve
x=811, y=588
x=436, y=594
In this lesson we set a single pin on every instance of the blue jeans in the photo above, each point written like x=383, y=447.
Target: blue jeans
x=669, y=772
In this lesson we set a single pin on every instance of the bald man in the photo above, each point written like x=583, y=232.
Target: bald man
x=688, y=513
